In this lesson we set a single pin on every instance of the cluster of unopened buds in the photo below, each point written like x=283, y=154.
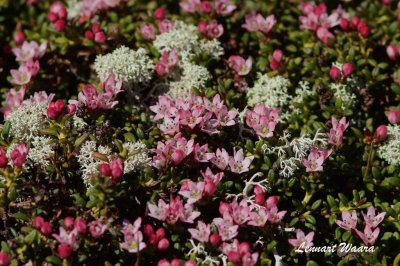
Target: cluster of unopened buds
x=95, y=34
x=148, y=31
x=58, y=16
x=337, y=74
x=356, y=24
x=381, y=132
x=371, y=229
x=221, y=7
x=176, y=262
x=18, y=156
x=115, y=170
x=156, y=238
x=211, y=30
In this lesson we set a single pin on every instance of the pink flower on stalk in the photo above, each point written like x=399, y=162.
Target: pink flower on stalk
x=349, y=221
x=190, y=6
x=335, y=135
x=184, y=145
x=368, y=237
x=97, y=229
x=226, y=228
x=201, y=154
x=29, y=50
x=201, y=234
x=211, y=181
x=241, y=66
x=162, y=157
x=226, y=118
x=164, y=107
x=192, y=191
x=238, y=163
x=19, y=154
x=274, y=216
x=214, y=30
x=22, y=76
x=315, y=159
x=67, y=238
x=221, y=159
x=302, y=241
x=159, y=211
x=372, y=219
x=223, y=7
x=251, y=22
x=148, y=31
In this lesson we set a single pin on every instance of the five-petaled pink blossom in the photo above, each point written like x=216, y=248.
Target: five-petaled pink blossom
x=368, y=236
x=372, y=219
x=201, y=234
x=349, y=221
x=315, y=159
x=242, y=67
x=302, y=241
x=238, y=163
x=335, y=135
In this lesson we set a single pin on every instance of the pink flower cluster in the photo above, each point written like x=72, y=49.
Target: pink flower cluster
x=168, y=61
x=133, y=237
x=194, y=113
x=335, y=135
x=349, y=223
x=336, y=73
x=212, y=30
x=102, y=100
x=115, y=170
x=156, y=238
x=356, y=24
x=262, y=120
x=242, y=67
x=95, y=34
x=315, y=159
x=316, y=19
x=19, y=154
x=164, y=25
x=221, y=7
x=58, y=15
x=257, y=23
x=239, y=253
x=90, y=7
x=173, y=212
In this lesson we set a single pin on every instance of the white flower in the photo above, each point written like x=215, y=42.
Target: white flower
x=126, y=64
x=390, y=150
x=137, y=156
x=27, y=121
x=273, y=92
x=40, y=151
x=89, y=164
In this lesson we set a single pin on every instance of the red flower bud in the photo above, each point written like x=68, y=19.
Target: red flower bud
x=159, y=13
x=160, y=233
x=3, y=158
x=69, y=222
x=52, y=17
x=244, y=248
x=177, y=157
x=4, y=261
x=259, y=199
x=117, y=169
x=38, y=222
x=347, y=69
x=89, y=35
x=80, y=226
x=176, y=262
x=202, y=27
x=344, y=24
x=335, y=73
x=190, y=263
x=19, y=38
x=46, y=228
x=163, y=244
x=64, y=251
x=381, y=132
x=59, y=25
x=215, y=239
x=354, y=22
x=96, y=28
x=392, y=53
x=148, y=230
x=105, y=169
x=234, y=257
x=206, y=7
x=100, y=37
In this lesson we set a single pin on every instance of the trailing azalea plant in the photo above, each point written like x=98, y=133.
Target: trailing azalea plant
x=182, y=133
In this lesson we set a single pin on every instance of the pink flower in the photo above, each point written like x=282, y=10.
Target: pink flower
x=190, y=6
x=159, y=211
x=192, y=191
x=22, y=76
x=315, y=159
x=215, y=105
x=371, y=219
x=170, y=126
x=67, y=238
x=97, y=229
x=148, y=32
x=201, y=234
x=226, y=118
x=201, y=154
x=29, y=50
x=241, y=66
x=226, y=228
x=240, y=212
x=251, y=22
x=325, y=35
x=223, y=7
x=265, y=25
x=335, y=135
x=165, y=107
x=302, y=241
x=274, y=216
x=169, y=59
x=187, y=214
x=191, y=117
x=133, y=238
x=165, y=25
x=258, y=218
x=221, y=159
x=162, y=157
x=19, y=154
x=348, y=222
x=368, y=237
x=238, y=163
x=262, y=120
x=214, y=30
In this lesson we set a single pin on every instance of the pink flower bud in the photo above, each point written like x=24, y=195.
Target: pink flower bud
x=148, y=32
x=394, y=116
x=160, y=69
x=18, y=155
x=223, y=207
x=209, y=188
x=381, y=132
x=38, y=222
x=105, y=169
x=277, y=55
x=96, y=27
x=46, y=228
x=202, y=27
x=176, y=262
x=19, y=38
x=80, y=226
x=259, y=199
x=152, y=239
x=64, y=251
x=165, y=25
x=391, y=51
x=354, y=22
x=386, y=2
x=4, y=261
x=69, y=222
x=244, y=248
x=62, y=13
x=148, y=230
x=56, y=7
x=234, y=257
x=89, y=35
x=159, y=13
x=177, y=157
x=163, y=244
x=59, y=105
x=215, y=239
x=320, y=9
x=117, y=169
x=160, y=233
x=71, y=108
x=52, y=17
x=206, y=7
x=52, y=112
x=335, y=73
x=347, y=69
x=274, y=65
x=100, y=37
x=190, y=263
x=3, y=158
x=59, y=25
x=344, y=24
x=363, y=29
